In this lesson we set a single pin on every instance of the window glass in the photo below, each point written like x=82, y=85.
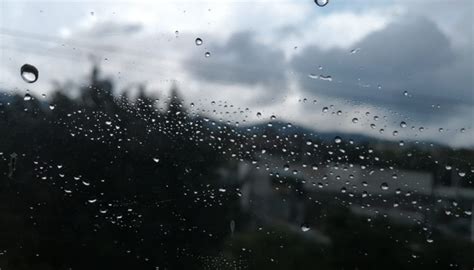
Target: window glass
x=236, y=134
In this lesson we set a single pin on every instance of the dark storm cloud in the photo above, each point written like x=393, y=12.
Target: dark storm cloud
x=241, y=60
x=408, y=55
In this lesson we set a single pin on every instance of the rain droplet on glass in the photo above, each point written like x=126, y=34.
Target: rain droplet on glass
x=29, y=73
x=321, y=3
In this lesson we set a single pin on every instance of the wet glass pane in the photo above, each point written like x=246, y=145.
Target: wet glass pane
x=236, y=134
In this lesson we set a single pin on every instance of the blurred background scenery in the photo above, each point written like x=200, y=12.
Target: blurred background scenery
x=236, y=135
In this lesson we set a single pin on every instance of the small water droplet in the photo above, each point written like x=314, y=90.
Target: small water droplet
x=320, y=77
x=29, y=73
x=354, y=51
x=403, y=124
x=156, y=160
x=305, y=228
x=384, y=186
x=355, y=120
x=325, y=109
x=207, y=54
x=232, y=227
x=27, y=97
x=337, y=139
x=198, y=41
x=325, y=78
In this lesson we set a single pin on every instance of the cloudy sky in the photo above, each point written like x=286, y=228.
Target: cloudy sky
x=410, y=60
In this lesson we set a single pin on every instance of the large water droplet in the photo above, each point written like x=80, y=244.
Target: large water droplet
x=321, y=3
x=198, y=41
x=29, y=73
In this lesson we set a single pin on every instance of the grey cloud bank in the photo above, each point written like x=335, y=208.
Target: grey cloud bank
x=419, y=52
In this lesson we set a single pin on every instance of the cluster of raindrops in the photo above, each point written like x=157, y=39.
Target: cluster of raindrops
x=371, y=178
